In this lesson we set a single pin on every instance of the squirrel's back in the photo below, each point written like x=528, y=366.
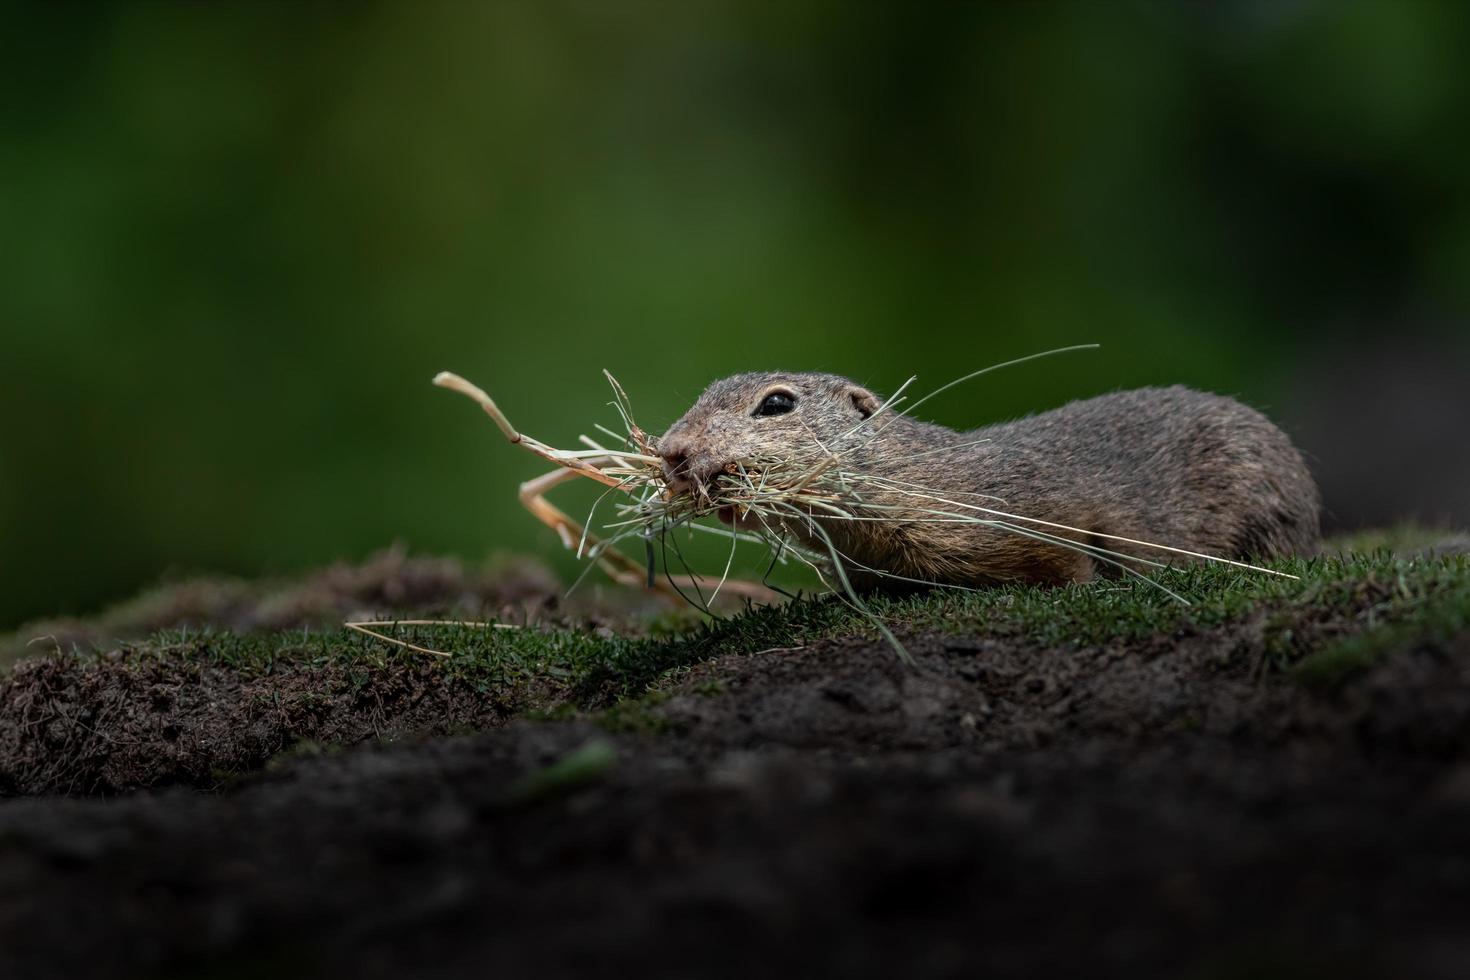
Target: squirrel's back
x=1174, y=466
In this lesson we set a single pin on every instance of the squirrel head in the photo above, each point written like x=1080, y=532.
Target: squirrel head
x=762, y=415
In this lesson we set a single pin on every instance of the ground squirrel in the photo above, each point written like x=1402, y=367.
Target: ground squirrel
x=1174, y=466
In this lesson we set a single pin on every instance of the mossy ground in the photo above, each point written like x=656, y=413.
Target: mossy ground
x=1335, y=614
x=204, y=704
x=1247, y=778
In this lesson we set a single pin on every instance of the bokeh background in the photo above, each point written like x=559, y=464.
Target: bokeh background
x=238, y=240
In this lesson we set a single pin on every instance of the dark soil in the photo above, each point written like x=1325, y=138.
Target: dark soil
x=127, y=722
x=1163, y=808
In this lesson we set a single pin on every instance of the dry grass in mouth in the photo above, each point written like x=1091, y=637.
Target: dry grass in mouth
x=776, y=503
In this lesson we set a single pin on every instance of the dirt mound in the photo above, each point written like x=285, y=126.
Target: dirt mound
x=1184, y=800
x=83, y=726
x=928, y=829
x=197, y=717
x=987, y=695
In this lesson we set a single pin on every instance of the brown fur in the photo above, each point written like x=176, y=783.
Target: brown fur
x=1168, y=465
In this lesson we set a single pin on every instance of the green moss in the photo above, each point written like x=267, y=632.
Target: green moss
x=1423, y=610
x=1340, y=612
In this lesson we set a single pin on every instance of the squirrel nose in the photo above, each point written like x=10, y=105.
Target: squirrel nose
x=680, y=466
x=683, y=474
x=676, y=465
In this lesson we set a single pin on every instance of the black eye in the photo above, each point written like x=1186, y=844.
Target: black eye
x=776, y=403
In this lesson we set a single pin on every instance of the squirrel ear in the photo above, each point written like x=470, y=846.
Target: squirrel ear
x=864, y=401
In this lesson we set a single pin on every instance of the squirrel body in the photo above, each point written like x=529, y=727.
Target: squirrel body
x=1171, y=466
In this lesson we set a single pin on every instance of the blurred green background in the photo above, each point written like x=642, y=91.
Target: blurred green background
x=238, y=240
